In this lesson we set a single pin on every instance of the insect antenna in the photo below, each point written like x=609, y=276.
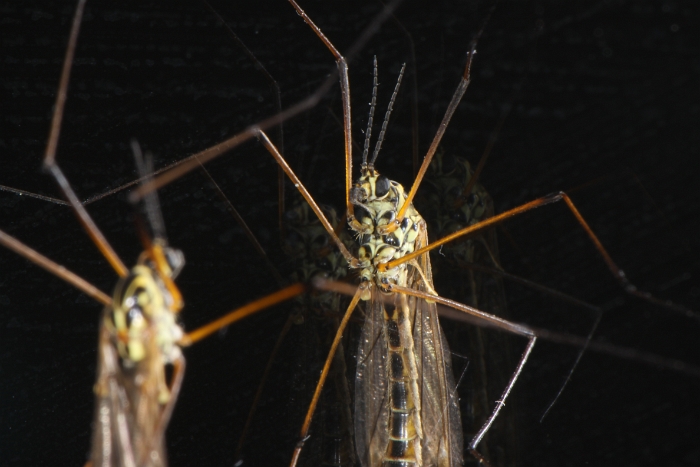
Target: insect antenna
x=372, y=107
x=380, y=140
x=151, y=203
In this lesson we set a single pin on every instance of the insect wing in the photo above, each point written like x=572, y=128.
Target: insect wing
x=128, y=427
x=440, y=414
x=449, y=208
x=439, y=405
x=371, y=385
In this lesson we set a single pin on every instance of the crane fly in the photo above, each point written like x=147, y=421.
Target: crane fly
x=405, y=407
x=392, y=225
x=521, y=176
x=140, y=364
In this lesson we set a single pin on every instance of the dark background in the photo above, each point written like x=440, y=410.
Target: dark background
x=604, y=98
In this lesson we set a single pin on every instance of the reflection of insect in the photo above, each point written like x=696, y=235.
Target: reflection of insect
x=302, y=345
x=317, y=317
x=139, y=337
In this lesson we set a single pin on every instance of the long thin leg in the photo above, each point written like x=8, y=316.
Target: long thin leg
x=88, y=224
x=54, y=268
x=452, y=106
x=62, y=93
x=178, y=169
x=324, y=374
x=50, y=154
x=460, y=312
x=502, y=401
x=345, y=93
x=242, y=312
x=454, y=102
x=463, y=313
x=492, y=320
x=352, y=261
x=549, y=199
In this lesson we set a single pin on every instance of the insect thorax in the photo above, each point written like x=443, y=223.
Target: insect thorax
x=141, y=320
x=377, y=201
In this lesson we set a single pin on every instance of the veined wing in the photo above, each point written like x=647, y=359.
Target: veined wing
x=130, y=414
x=371, y=387
x=449, y=209
x=442, y=425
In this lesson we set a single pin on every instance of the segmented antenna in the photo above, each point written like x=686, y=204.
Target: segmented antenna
x=386, y=118
x=372, y=107
x=145, y=168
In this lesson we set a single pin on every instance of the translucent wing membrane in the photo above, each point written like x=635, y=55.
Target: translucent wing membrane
x=371, y=388
x=451, y=198
x=441, y=419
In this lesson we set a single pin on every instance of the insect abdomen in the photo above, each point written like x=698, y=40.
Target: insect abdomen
x=403, y=448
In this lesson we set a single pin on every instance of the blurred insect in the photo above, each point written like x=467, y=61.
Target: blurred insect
x=315, y=317
x=139, y=337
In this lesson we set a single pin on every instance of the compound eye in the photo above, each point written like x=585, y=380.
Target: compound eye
x=382, y=186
